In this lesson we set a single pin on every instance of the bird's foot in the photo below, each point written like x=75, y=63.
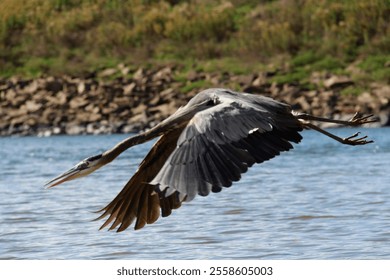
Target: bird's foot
x=352, y=140
x=357, y=119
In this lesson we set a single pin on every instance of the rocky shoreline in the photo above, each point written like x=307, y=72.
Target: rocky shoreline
x=124, y=100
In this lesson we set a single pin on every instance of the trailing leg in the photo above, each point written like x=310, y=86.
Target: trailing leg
x=351, y=140
x=355, y=121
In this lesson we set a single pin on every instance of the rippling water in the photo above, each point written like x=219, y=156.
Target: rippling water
x=322, y=200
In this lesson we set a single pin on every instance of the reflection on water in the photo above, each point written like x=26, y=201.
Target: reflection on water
x=322, y=200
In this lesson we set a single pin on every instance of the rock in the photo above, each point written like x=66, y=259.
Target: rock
x=15, y=113
x=384, y=118
x=32, y=107
x=56, y=130
x=73, y=129
x=383, y=95
x=140, y=118
x=130, y=128
x=91, y=128
x=31, y=87
x=304, y=106
x=260, y=80
x=107, y=72
x=110, y=109
x=78, y=102
x=81, y=87
x=164, y=74
x=121, y=101
x=192, y=76
x=164, y=109
x=124, y=69
x=128, y=89
x=59, y=99
x=139, y=109
x=366, y=98
x=139, y=74
x=165, y=94
x=94, y=117
x=10, y=94
x=243, y=80
x=45, y=133
x=54, y=85
x=57, y=105
x=338, y=82
x=155, y=100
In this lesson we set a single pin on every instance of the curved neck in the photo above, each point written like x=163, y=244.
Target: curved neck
x=125, y=144
x=175, y=121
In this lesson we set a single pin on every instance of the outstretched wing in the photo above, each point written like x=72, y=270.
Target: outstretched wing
x=209, y=152
x=138, y=201
x=221, y=143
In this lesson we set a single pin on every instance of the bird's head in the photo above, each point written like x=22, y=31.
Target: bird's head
x=83, y=168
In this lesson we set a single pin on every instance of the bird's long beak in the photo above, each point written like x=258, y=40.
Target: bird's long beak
x=73, y=173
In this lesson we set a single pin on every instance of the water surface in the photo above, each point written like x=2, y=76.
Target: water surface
x=322, y=200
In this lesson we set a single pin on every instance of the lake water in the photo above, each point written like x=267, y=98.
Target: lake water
x=322, y=200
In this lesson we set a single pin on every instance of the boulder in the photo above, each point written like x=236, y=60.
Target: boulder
x=338, y=82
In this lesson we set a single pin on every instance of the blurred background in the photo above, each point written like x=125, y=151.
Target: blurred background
x=118, y=61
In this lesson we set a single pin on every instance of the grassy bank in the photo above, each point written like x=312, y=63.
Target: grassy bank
x=291, y=38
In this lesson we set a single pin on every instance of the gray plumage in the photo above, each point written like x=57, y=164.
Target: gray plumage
x=221, y=142
x=204, y=147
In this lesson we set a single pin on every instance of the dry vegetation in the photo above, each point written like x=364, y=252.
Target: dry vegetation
x=104, y=66
x=295, y=37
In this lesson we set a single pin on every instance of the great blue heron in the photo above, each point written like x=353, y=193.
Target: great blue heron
x=204, y=146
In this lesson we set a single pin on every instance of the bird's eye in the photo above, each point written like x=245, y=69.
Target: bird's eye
x=83, y=165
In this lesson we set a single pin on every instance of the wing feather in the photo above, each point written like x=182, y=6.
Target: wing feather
x=138, y=200
x=204, y=155
x=142, y=213
x=219, y=144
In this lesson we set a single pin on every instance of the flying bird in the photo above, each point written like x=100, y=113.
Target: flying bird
x=203, y=147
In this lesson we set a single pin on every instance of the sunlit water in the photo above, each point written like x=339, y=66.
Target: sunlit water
x=322, y=200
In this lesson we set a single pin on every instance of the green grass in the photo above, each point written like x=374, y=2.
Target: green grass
x=304, y=59
x=328, y=63
x=292, y=37
x=201, y=84
x=231, y=65
x=297, y=76
x=301, y=67
x=353, y=91
x=376, y=67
